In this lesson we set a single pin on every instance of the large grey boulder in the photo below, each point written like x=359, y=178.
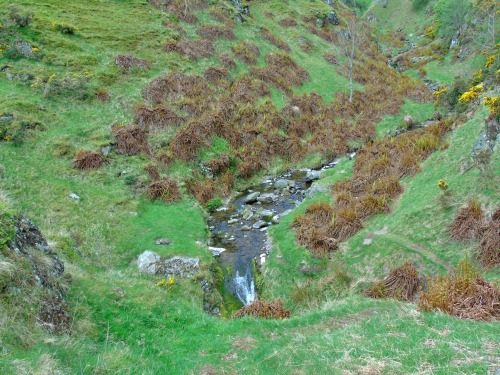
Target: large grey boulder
x=252, y=197
x=267, y=198
x=151, y=263
x=313, y=175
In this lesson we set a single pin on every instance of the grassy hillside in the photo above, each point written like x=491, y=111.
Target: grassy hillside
x=61, y=91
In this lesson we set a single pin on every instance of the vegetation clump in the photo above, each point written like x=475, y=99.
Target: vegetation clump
x=128, y=62
x=488, y=251
x=247, y=52
x=463, y=293
x=263, y=309
x=469, y=224
x=164, y=189
x=130, y=140
x=402, y=283
x=85, y=159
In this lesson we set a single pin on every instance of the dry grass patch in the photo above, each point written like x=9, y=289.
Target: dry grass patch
x=469, y=224
x=247, y=52
x=212, y=32
x=402, y=283
x=130, y=140
x=488, y=251
x=263, y=309
x=157, y=117
x=85, y=159
x=165, y=190
x=464, y=294
x=128, y=62
x=195, y=49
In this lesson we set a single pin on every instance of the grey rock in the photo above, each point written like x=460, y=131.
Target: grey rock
x=259, y=224
x=329, y=2
x=151, y=263
x=320, y=21
x=385, y=3
x=313, y=175
x=74, y=196
x=315, y=189
x=232, y=221
x=371, y=18
x=266, y=215
x=252, y=197
x=106, y=150
x=267, y=198
x=163, y=241
x=332, y=18
x=238, y=19
x=281, y=183
x=216, y=251
x=285, y=192
x=245, y=228
x=275, y=219
x=27, y=237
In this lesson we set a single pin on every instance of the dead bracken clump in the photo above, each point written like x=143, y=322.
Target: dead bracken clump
x=157, y=117
x=469, y=224
x=226, y=59
x=130, y=140
x=215, y=32
x=247, y=52
x=129, y=62
x=464, y=294
x=402, y=283
x=288, y=22
x=165, y=190
x=263, y=309
x=281, y=44
x=214, y=74
x=488, y=251
x=281, y=72
x=152, y=171
x=331, y=58
x=220, y=164
x=85, y=159
x=192, y=48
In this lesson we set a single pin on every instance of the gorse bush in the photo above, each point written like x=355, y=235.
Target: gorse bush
x=64, y=28
x=19, y=17
x=71, y=84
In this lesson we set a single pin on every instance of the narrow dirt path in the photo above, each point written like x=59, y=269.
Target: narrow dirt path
x=423, y=251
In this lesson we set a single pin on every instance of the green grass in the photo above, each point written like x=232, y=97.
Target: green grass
x=418, y=111
x=154, y=330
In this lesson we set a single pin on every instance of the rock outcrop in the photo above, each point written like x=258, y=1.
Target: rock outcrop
x=152, y=263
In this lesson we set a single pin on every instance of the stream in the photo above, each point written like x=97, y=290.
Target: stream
x=239, y=230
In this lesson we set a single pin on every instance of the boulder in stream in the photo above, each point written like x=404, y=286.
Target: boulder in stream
x=313, y=175
x=267, y=198
x=252, y=198
x=259, y=224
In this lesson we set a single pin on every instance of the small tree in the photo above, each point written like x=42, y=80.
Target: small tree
x=349, y=41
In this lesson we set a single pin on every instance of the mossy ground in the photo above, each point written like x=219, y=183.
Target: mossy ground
x=154, y=330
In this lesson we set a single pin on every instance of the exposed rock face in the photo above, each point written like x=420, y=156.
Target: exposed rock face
x=28, y=241
x=252, y=198
x=332, y=18
x=313, y=175
x=151, y=263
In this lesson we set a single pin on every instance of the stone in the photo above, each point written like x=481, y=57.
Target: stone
x=332, y=18
x=232, y=221
x=266, y=215
x=119, y=292
x=320, y=21
x=385, y=3
x=245, y=228
x=296, y=110
x=74, y=196
x=313, y=175
x=370, y=17
x=163, y=241
x=216, y=251
x=281, y=183
x=267, y=198
x=329, y=2
x=106, y=150
x=315, y=189
x=275, y=219
x=259, y=224
x=367, y=241
x=151, y=263
x=252, y=197
x=238, y=19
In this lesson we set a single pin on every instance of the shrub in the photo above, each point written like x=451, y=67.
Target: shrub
x=157, y=117
x=226, y=60
x=165, y=190
x=70, y=84
x=152, y=171
x=288, y=22
x=64, y=28
x=202, y=190
x=128, y=62
x=192, y=48
x=263, y=309
x=247, y=52
x=19, y=17
x=214, y=74
x=220, y=164
x=85, y=159
x=130, y=140
x=215, y=32
x=488, y=251
x=402, y=283
x=469, y=224
x=214, y=204
x=464, y=294
x=103, y=95
x=275, y=40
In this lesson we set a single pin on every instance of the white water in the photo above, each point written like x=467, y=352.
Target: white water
x=245, y=287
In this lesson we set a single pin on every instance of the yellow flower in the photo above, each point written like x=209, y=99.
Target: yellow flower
x=161, y=282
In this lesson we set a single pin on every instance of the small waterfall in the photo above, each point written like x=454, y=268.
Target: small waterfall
x=245, y=287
